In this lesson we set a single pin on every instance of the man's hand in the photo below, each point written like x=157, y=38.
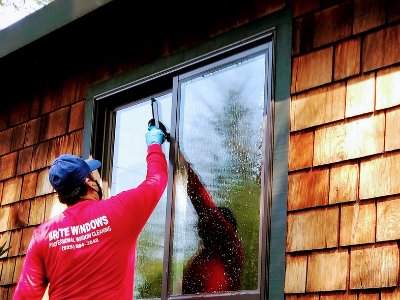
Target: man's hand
x=154, y=136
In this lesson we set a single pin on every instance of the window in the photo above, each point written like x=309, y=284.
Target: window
x=218, y=107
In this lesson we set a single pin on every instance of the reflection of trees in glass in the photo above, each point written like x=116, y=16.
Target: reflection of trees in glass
x=232, y=169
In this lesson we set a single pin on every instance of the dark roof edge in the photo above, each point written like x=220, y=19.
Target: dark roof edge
x=44, y=21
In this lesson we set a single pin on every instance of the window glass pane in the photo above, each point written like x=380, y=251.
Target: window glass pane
x=129, y=170
x=220, y=135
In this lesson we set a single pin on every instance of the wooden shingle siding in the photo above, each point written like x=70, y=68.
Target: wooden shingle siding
x=344, y=182
x=368, y=295
x=357, y=223
x=308, y=188
x=77, y=116
x=19, y=214
x=20, y=111
x=388, y=87
x=4, y=215
x=43, y=186
x=332, y=24
x=357, y=137
x=380, y=48
x=314, y=296
x=327, y=270
x=29, y=185
x=78, y=141
x=24, y=160
x=36, y=213
x=11, y=190
x=296, y=273
x=322, y=105
x=84, y=81
x=69, y=91
x=339, y=296
x=368, y=14
x=18, y=137
x=56, y=123
x=303, y=35
x=313, y=229
x=390, y=294
x=32, y=134
x=301, y=7
x=379, y=175
x=39, y=156
x=8, y=165
x=388, y=212
x=301, y=150
x=360, y=96
x=35, y=108
x=374, y=266
x=7, y=271
x=18, y=267
x=5, y=141
x=26, y=237
x=393, y=10
x=320, y=61
x=58, y=146
x=392, y=134
x=15, y=242
x=347, y=59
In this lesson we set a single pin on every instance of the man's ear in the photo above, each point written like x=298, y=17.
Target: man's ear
x=87, y=181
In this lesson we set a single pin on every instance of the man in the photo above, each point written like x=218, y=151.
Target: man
x=88, y=251
x=218, y=265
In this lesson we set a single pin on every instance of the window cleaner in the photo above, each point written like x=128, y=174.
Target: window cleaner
x=155, y=121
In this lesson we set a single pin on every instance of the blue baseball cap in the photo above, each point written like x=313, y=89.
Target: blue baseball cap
x=68, y=171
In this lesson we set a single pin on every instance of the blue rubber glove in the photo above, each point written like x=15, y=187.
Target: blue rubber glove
x=154, y=136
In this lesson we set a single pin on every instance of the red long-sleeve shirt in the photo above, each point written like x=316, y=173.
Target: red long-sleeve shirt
x=88, y=251
x=218, y=266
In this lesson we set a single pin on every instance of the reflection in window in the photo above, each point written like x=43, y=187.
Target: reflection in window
x=129, y=170
x=220, y=136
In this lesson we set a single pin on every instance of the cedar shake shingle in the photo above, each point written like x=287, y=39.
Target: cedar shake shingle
x=354, y=138
x=318, y=106
x=301, y=150
x=18, y=137
x=4, y=116
x=15, y=242
x=5, y=141
x=344, y=179
x=84, y=81
x=18, y=267
x=295, y=273
x=347, y=59
x=327, y=270
x=78, y=141
x=20, y=111
x=369, y=295
x=388, y=87
x=11, y=190
x=325, y=3
x=7, y=271
x=36, y=214
x=360, y=97
x=332, y=24
x=29, y=185
x=24, y=160
x=262, y=8
x=314, y=296
x=59, y=146
x=102, y=72
x=11, y=291
x=5, y=239
x=374, y=266
x=19, y=214
x=301, y=7
x=357, y=223
x=51, y=99
x=32, y=134
x=77, y=116
x=393, y=10
x=312, y=69
x=57, y=123
x=392, y=141
x=26, y=237
x=389, y=294
x=339, y=296
x=43, y=186
x=379, y=174
x=368, y=14
x=4, y=215
x=35, y=108
x=388, y=212
x=303, y=35
x=308, y=188
x=380, y=48
x=8, y=165
x=39, y=156
x=69, y=91
x=313, y=229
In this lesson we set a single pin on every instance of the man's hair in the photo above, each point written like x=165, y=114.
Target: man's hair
x=75, y=195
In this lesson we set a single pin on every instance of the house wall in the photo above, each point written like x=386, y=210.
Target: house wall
x=344, y=152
